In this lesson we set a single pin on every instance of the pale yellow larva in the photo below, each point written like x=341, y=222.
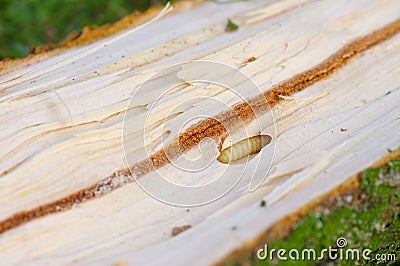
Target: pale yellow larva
x=243, y=148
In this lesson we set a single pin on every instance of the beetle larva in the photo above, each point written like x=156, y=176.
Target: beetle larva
x=243, y=148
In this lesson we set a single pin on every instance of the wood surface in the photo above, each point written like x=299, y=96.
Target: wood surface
x=329, y=70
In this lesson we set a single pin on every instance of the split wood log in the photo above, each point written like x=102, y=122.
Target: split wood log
x=85, y=130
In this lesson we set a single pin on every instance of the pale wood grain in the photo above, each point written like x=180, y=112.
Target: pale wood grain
x=45, y=156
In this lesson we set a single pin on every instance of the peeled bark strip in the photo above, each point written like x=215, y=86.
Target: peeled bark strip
x=322, y=66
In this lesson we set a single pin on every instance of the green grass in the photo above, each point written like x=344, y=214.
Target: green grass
x=28, y=23
x=368, y=218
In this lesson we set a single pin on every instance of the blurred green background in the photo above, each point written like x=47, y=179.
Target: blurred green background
x=28, y=23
